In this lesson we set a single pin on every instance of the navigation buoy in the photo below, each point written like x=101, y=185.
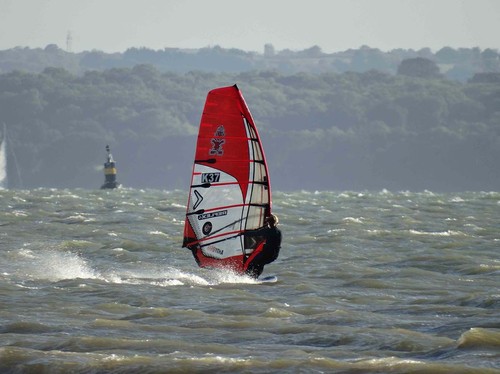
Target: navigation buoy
x=109, y=172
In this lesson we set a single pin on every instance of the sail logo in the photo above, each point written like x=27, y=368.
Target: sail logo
x=198, y=201
x=217, y=142
x=217, y=147
x=207, y=228
x=210, y=177
x=212, y=250
x=219, y=213
x=220, y=131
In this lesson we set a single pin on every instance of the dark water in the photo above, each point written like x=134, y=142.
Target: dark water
x=96, y=282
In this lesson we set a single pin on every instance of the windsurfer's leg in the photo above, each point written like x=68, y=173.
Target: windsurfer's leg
x=259, y=271
x=254, y=269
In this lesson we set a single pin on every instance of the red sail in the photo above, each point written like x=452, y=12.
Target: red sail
x=230, y=190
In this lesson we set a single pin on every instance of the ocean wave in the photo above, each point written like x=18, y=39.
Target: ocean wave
x=437, y=233
x=480, y=338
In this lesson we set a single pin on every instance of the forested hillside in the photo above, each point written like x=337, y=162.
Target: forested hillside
x=411, y=130
x=456, y=64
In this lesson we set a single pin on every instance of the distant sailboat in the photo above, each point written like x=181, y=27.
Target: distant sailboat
x=109, y=172
x=3, y=159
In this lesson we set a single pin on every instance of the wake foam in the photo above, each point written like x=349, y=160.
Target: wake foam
x=178, y=277
x=53, y=265
x=56, y=265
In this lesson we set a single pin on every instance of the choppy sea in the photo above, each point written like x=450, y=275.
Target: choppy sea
x=96, y=281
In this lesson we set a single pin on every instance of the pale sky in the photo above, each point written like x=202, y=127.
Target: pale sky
x=333, y=25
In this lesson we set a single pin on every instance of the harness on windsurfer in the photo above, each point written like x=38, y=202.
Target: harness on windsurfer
x=271, y=249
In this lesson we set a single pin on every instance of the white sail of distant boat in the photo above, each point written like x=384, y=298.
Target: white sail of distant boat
x=3, y=159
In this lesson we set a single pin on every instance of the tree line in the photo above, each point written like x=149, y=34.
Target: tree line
x=411, y=130
x=455, y=63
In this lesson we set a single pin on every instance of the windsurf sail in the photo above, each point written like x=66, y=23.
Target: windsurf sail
x=230, y=191
x=3, y=159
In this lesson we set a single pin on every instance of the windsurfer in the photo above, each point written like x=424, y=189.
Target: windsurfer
x=271, y=248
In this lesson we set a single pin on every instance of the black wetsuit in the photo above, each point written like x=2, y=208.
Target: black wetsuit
x=270, y=251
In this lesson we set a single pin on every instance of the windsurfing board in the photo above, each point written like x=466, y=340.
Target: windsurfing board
x=268, y=279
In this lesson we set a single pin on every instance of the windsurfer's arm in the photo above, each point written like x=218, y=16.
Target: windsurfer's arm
x=257, y=232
